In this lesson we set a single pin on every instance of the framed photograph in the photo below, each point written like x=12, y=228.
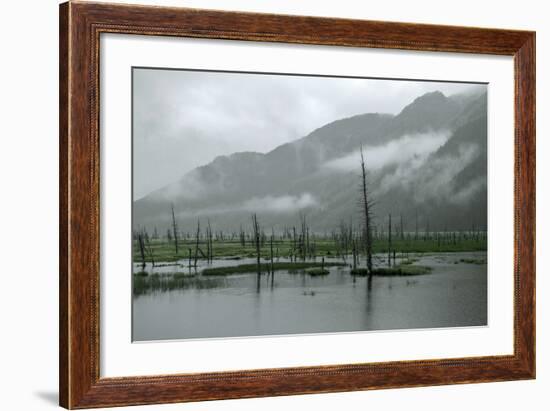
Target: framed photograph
x=258, y=205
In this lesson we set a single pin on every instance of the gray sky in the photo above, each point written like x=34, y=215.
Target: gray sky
x=185, y=119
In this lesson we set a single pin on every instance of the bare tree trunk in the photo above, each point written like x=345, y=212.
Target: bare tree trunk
x=308, y=249
x=175, y=228
x=354, y=251
x=401, y=228
x=271, y=247
x=427, y=234
x=256, y=229
x=389, y=241
x=197, y=241
x=416, y=226
x=303, y=237
x=293, y=243
x=150, y=252
x=209, y=242
x=242, y=236
x=367, y=205
x=141, y=249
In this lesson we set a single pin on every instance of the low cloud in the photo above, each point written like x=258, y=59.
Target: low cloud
x=191, y=187
x=431, y=178
x=437, y=178
x=412, y=149
x=273, y=204
x=280, y=204
x=464, y=195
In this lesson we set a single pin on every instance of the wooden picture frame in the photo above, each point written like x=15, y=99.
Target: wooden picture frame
x=80, y=27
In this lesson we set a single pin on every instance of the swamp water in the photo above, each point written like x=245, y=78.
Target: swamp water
x=168, y=306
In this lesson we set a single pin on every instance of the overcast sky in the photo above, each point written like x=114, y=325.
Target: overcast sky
x=184, y=119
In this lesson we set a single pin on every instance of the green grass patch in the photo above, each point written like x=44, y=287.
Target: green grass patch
x=409, y=261
x=398, y=271
x=317, y=271
x=473, y=261
x=179, y=276
x=253, y=268
x=162, y=283
x=403, y=270
x=361, y=272
x=164, y=251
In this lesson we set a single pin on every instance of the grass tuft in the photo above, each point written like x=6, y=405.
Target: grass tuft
x=472, y=261
x=317, y=271
x=403, y=270
x=253, y=268
x=400, y=270
x=360, y=272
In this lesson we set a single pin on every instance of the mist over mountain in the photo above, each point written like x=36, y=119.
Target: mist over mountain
x=429, y=162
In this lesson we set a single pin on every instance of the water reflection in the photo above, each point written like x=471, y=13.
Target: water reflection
x=184, y=305
x=369, y=305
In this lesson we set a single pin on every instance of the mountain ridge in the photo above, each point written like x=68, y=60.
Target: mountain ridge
x=296, y=174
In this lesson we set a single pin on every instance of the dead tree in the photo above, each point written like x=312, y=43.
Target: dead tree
x=354, y=252
x=209, y=248
x=197, y=242
x=366, y=204
x=212, y=244
x=416, y=225
x=308, y=247
x=149, y=250
x=242, y=237
x=175, y=228
x=343, y=239
x=427, y=235
x=271, y=247
x=303, y=236
x=389, y=241
x=401, y=227
x=207, y=243
x=141, y=243
x=293, y=243
x=256, y=230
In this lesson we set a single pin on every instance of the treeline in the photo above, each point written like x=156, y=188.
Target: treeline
x=387, y=235
x=300, y=242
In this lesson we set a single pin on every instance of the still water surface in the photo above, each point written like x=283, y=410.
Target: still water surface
x=454, y=294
